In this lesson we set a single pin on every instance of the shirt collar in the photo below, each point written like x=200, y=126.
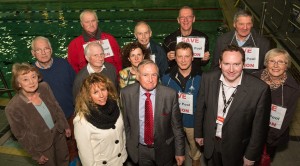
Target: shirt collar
x=222, y=79
x=91, y=70
x=143, y=91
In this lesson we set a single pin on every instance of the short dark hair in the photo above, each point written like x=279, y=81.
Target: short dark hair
x=184, y=45
x=235, y=48
x=130, y=47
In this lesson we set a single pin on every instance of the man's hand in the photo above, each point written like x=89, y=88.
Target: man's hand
x=42, y=160
x=171, y=55
x=206, y=56
x=179, y=159
x=68, y=132
x=200, y=141
x=248, y=162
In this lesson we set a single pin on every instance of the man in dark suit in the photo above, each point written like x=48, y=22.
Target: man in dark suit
x=167, y=138
x=233, y=112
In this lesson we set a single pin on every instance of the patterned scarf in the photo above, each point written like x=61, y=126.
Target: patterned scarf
x=265, y=76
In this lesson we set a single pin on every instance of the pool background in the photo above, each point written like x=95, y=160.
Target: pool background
x=59, y=21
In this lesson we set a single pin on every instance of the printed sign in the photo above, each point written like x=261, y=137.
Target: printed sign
x=198, y=44
x=106, y=47
x=185, y=103
x=251, y=57
x=277, y=116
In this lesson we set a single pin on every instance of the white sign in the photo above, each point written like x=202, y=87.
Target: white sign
x=251, y=57
x=198, y=44
x=277, y=116
x=106, y=47
x=185, y=103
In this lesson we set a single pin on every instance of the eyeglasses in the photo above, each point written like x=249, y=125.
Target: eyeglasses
x=272, y=62
x=181, y=18
x=40, y=51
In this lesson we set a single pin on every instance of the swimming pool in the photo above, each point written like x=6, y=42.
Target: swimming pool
x=59, y=21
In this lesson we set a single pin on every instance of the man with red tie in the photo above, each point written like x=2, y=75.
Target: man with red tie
x=153, y=123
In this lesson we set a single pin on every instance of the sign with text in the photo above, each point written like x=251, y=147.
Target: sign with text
x=106, y=47
x=185, y=103
x=251, y=57
x=198, y=44
x=277, y=116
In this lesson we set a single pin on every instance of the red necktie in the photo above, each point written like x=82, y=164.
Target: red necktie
x=148, y=133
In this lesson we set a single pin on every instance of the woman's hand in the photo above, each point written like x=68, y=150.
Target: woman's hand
x=42, y=160
x=68, y=132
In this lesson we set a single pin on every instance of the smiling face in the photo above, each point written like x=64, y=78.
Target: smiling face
x=277, y=65
x=186, y=19
x=148, y=76
x=28, y=82
x=95, y=56
x=243, y=26
x=136, y=56
x=184, y=59
x=99, y=94
x=232, y=66
x=143, y=34
x=41, y=50
x=89, y=22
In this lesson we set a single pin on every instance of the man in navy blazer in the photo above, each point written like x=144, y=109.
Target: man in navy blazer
x=233, y=112
x=169, y=140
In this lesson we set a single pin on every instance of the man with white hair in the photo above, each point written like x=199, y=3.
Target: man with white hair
x=94, y=54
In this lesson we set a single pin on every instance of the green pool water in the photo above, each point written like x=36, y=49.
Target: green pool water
x=59, y=21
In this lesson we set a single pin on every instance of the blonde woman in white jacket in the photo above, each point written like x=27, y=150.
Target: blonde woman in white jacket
x=98, y=125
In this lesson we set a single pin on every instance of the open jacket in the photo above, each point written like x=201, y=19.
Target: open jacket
x=29, y=127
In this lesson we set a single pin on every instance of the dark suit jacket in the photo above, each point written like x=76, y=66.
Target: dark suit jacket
x=261, y=42
x=245, y=127
x=169, y=139
x=29, y=127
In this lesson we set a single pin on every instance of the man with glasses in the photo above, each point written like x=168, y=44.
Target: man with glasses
x=186, y=18
x=245, y=36
x=59, y=74
x=233, y=112
x=94, y=55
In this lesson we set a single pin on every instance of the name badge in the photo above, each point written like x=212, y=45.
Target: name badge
x=277, y=115
x=106, y=47
x=220, y=120
x=198, y=44
x=185, y=103
x=152, y=57
x=251, y=57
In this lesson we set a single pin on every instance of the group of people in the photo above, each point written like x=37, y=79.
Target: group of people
x=142, y=103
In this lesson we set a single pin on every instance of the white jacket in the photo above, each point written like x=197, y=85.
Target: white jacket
x=100, y=147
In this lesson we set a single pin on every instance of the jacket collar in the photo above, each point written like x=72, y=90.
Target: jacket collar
x=87, y=37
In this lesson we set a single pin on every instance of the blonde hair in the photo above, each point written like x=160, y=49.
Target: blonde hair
x=21, y=69
x=276, y=52
x=83, y=99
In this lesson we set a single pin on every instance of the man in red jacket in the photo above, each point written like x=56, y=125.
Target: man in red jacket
x=91, y=32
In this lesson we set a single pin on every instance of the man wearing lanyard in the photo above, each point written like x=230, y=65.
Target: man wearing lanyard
x=186, y=81
x=244, y=36
x=233, y=112
x=186, y=18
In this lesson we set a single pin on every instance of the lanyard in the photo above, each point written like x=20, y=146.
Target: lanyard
x=226, y=104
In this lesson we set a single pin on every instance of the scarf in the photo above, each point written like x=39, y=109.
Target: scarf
x=104, y=117
x=265, y=76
